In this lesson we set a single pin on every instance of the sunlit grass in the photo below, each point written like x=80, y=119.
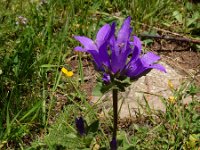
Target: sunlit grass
x=36, y=37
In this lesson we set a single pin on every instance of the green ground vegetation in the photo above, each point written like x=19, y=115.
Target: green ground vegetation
x=36, y=38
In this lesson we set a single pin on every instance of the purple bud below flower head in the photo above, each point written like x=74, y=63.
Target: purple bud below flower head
x=106, y=78
x=113, y=144
x=80, y=125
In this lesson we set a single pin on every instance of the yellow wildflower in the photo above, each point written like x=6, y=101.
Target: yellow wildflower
x=172, y=99
x=66, y=72
x=96, y=147
x=170, y=85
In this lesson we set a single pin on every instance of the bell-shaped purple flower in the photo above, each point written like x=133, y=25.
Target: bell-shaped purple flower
x=97, y=48
x=137, y=65
x=120, y=47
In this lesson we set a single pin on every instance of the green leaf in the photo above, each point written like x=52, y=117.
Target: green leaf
x=71, y=135
x=148, y=15
x=48, y=66
x=189, y=6
x=122, y=83
x=34, y=109
x=88, y=140
x=147, y=42
x=193, y=139
x=198, y=47
x=97, y=90
x=168, y=24
x=178, y=16
x=130, y=148
x=122, y=136
x=193, y=20
x=93, y=128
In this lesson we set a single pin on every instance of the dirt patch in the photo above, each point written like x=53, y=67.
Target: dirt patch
x=181, y=53
x=89, y=73
x=180, y=56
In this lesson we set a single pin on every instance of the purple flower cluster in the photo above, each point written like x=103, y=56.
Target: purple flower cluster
x=118, y=55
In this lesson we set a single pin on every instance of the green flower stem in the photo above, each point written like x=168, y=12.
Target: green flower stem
x=115, y=113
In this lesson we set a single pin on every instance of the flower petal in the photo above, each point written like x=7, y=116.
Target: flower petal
x=103, y=47
x=137, y=42
x=79, y=48
x=124, y=32
x=138, y=68
x=137, y=49
x=112, y=34
x=102, y=35
x=135, y=68
x=119, y=57
x=158, y=67
x=121, y=47
x=86, y=42
x=114, y=62
x=97, y=59
x=66, y=72
x=150, y=58
x=103, y=55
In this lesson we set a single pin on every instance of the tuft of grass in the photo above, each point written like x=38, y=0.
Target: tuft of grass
x=177, y=128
